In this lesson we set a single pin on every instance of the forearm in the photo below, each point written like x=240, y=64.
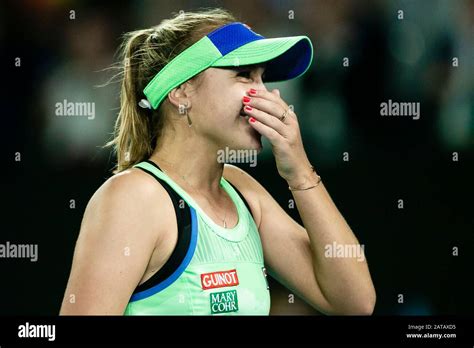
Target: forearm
x=345, y=282
x=343, y=277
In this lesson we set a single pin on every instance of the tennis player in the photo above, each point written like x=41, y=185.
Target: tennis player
x=177, y=232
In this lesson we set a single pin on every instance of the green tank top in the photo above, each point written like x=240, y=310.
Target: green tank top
x=213, y=270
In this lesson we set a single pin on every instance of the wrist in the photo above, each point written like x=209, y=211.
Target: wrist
x=305, y=177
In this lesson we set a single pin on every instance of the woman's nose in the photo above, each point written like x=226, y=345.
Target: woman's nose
x=259, y=85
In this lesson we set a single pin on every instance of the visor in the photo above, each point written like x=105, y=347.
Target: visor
x=232, y=45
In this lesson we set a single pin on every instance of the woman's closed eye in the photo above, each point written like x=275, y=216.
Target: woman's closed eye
x=244, y=73
x=249, y=73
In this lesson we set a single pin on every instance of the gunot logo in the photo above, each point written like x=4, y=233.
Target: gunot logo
x=224, y=302
x=219, y=279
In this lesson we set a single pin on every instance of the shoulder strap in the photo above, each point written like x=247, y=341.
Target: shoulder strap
x=241, y=197
x=183, y=218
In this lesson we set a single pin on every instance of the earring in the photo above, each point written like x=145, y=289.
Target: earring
x=183, y=109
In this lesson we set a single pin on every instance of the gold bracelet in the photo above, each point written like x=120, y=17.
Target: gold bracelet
x=306, y=188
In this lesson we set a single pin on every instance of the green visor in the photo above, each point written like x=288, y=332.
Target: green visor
x=232, y=45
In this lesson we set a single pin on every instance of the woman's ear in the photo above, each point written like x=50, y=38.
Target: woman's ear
x=179, y=97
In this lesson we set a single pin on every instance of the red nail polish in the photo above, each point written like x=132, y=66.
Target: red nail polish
x=246, y=99
x=253, y=91
x=248, y=108
x=251, y=119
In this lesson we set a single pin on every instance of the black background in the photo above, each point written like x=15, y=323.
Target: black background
x=409, y=250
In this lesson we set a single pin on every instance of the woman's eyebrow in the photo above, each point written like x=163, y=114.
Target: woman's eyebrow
x=256, y=66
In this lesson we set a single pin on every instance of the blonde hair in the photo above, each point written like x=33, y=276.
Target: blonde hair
x=143, y=54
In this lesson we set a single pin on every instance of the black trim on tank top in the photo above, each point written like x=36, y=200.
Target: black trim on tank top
x=183, y=219
x=242, y=197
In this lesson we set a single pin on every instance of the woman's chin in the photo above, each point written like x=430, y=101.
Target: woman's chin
x=248, y=138
x=259, y=145
x=254, y=140
x=256, y=137
x=250, y=143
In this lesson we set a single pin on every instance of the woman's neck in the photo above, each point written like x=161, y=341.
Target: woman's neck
x=192, y=163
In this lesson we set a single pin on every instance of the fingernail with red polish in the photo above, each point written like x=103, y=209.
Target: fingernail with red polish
x=248, y=108
x=251, y=119
x=253, y=91
x=246, y=99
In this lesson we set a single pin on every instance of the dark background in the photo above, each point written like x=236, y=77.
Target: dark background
x=409, y=250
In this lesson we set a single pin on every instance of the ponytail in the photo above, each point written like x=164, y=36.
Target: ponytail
x=133, y=128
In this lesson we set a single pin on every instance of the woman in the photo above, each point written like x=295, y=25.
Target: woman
x=176, y=231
